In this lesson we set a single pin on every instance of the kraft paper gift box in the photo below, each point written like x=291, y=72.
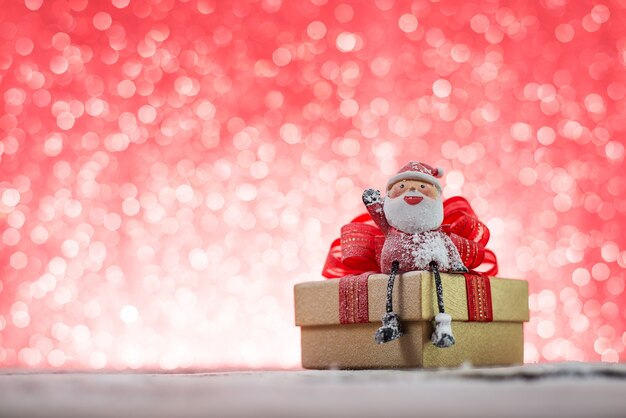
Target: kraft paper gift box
x=339, y=317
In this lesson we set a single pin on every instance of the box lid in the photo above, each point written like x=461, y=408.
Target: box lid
x=414, y=299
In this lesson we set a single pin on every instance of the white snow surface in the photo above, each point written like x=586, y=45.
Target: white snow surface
x=572, y=390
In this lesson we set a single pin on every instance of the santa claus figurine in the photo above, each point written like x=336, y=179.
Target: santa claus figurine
x=410, y=217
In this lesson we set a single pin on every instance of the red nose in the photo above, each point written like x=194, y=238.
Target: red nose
x=413, y=200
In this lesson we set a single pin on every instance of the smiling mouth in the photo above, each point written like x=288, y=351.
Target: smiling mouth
x=413, y=200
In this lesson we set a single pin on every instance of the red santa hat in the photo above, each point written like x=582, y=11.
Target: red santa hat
x=418, y=171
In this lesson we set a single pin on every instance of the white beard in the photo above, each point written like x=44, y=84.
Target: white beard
x=412, y=219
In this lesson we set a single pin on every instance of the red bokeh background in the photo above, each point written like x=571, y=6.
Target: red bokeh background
x=169, y=169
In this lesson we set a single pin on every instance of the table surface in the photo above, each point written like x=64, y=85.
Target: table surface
x=549, y=390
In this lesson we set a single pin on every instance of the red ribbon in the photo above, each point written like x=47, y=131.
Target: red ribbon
x=353, y=299
x=358, y=249
x=479, y=304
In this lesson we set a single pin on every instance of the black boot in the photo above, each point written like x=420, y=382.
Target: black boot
x=390, y=330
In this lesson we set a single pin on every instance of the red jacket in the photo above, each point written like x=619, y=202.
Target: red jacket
x=415, y=251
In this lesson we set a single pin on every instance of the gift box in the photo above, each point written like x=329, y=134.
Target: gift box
x=339, y=317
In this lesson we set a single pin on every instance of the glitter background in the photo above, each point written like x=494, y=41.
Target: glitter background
x=171, y=168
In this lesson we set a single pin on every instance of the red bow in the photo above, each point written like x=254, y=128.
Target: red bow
x=358, y=249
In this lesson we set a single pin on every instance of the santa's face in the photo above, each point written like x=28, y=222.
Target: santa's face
x=413, y=206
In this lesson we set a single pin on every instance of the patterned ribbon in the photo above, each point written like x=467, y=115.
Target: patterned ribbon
x=479, y=304
x=359, y=247
x=353, y=302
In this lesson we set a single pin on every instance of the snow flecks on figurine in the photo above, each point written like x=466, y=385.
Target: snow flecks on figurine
x=436, y=246
x=410, y=217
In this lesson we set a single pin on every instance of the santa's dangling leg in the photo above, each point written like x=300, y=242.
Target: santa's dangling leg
x=391, y=322
x=442, y=336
